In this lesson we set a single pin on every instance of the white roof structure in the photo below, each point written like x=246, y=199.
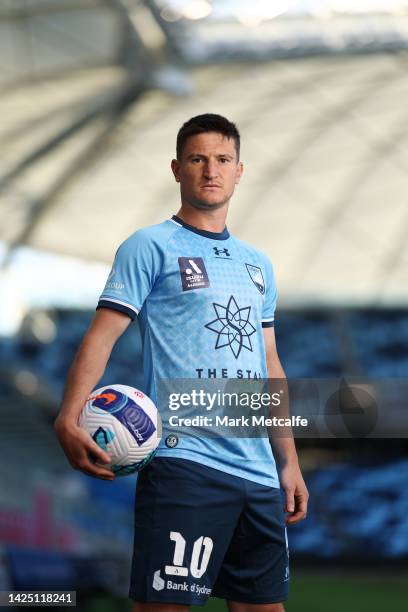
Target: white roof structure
x=324, y=143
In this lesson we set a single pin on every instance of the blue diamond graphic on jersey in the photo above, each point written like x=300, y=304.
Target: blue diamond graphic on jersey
x=232, y=327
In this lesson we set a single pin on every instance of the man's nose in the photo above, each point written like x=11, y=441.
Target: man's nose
x=210, y=169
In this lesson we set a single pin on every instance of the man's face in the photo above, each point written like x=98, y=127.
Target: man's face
x=208, y=170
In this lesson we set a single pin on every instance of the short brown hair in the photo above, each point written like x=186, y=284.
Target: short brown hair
x=207, y=123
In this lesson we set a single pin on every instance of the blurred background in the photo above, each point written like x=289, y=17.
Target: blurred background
x=92, y=94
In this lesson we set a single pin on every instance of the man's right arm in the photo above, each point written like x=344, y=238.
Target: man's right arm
x=85, y=372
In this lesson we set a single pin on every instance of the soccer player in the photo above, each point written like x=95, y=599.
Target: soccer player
x=209, y=515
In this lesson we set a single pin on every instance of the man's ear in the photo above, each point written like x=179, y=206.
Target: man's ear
x=240, y=170
x=175, y=167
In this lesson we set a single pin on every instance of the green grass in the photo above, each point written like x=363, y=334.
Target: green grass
x=354, y=592
x=315, y=591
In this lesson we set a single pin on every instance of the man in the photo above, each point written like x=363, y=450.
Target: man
x=209, y=515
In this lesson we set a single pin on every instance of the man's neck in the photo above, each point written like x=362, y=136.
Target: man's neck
x=209, y=220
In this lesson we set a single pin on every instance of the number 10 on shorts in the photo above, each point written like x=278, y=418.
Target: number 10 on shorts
x=199, y=559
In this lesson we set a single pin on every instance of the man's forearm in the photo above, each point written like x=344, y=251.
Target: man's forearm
x=85, y=372
x=284, y=450
x=282, y=441
x=90, y=363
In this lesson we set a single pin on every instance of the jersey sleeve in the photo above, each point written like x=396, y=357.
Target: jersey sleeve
x=271, y=296
x=136, y=267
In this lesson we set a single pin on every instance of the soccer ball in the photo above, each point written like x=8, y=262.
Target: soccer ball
x=125, y=423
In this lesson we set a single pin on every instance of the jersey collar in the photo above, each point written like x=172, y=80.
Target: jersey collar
x=214, y=235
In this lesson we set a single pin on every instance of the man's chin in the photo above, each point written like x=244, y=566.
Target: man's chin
x=200, y=205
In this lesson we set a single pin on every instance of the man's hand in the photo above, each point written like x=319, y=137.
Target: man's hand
x=296, y=492
x=78, y=446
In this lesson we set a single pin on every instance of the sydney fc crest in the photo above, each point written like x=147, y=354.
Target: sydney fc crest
x=256, y=277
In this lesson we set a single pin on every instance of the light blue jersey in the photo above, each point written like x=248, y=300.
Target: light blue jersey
x=201, y=299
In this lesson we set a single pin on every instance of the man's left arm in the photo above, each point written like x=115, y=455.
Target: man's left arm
x=283, y=444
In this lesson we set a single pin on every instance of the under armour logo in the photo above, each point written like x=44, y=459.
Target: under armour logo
x=221, y=252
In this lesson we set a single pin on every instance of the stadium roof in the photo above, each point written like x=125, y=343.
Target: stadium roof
x=85, y=153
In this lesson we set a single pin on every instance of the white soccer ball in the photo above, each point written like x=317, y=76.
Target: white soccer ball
x=125, y=423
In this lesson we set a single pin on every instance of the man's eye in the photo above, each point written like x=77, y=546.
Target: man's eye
x=224, y=160
x=196, y=159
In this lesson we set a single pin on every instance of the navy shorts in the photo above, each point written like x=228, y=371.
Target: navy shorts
x=202, y=532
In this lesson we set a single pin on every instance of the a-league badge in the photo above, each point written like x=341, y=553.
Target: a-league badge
x=193, y=273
